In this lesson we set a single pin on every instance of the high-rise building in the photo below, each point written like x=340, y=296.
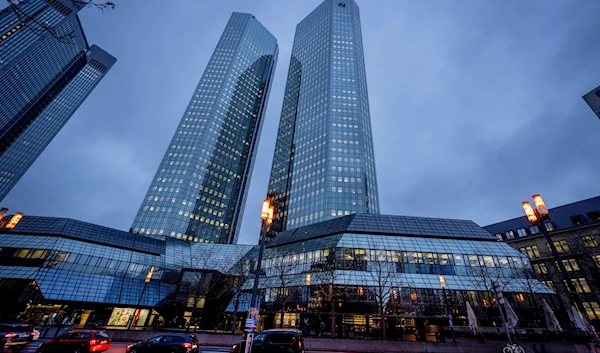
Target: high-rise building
x=593, y=100
x=199, y=190
x=46, y=72
x=324, y=165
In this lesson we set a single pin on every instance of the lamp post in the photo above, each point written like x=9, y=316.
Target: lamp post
x=538, y=216
x=448, y=312
x=267, y=218
x=148, y=278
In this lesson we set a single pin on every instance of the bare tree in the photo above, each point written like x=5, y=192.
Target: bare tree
x=198, y=283
x=282, y=269
x=40, y=27
x=527, y=274
x=326, y=281
x=485, y=274
x=384, y=279
x=241, y=273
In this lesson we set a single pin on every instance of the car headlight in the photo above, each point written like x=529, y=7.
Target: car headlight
x=130, y=346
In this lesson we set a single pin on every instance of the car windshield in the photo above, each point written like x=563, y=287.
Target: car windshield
x=102, y=334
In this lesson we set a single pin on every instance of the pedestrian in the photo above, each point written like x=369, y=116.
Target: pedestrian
x=417, y=338
x=437, y=335
x=195, y=325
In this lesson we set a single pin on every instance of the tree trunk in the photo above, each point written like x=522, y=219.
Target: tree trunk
x=332, y=319
x=234, y=322
x=383, y=329
x=282, y=313
x=236, y=306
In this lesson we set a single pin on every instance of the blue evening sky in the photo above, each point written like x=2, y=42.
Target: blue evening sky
x=475, y=106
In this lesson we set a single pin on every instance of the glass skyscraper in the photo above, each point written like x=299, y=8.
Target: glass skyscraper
x=199, y=190
x=44, y=78
x=324, y=165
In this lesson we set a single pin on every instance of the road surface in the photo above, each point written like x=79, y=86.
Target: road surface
x=119, y=347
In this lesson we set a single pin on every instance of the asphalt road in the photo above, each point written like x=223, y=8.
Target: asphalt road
x=119, y=347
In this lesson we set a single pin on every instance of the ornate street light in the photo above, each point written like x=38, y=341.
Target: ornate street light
x=538, y=217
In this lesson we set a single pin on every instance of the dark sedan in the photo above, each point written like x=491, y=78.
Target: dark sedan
x=170, y=343
x=274, y=341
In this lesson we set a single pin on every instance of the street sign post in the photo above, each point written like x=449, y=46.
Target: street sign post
x=250, y=327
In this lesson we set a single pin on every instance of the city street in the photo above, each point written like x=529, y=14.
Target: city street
x=119, y=347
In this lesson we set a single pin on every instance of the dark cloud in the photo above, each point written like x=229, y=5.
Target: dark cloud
x=475, y=106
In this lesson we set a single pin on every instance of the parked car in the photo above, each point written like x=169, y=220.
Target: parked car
x=15, y=336
x=35, y=335
x=77, y=341
x=274, y=341
x=170, y=343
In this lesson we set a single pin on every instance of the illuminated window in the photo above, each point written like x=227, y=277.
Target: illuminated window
x=580, y=285
x=596, y=259
x=531, y=251
x=540, y=268
x=570, y=265
x=561, y=246
x=592, y=309
x=549, y=284
x=589, y=241
x=519, y=297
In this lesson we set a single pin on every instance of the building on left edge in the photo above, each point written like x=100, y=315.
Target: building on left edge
x=46, y=72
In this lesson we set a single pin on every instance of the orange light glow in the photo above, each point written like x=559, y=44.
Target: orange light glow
x=14, y=220
x=529, y=212
x=413, y=297
x=442, y=281
x=149, y=275
x=539, y=203
x=308, y=279
x=270, y=217
x=265, y=210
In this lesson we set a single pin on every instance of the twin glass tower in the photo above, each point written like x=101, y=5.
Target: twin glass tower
x=47, y=70
x=323, y=165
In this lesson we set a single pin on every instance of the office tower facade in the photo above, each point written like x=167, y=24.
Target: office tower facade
x=45, y=75
x=324, y=165
x=199, y=190
x=593, y=100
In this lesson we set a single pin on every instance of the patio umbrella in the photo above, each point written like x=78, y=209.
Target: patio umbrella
x=551, y=320
x=511, y=317
x=472, y=319
x=575, y=317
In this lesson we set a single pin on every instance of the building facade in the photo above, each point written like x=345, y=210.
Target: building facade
x=372, y=269
x=324, y=164
x=593, y=100
x=361, y=268
x=45, y=75
x=199, y=190
x=575, y=231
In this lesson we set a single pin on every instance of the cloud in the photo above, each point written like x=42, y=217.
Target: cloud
x=475, y=106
